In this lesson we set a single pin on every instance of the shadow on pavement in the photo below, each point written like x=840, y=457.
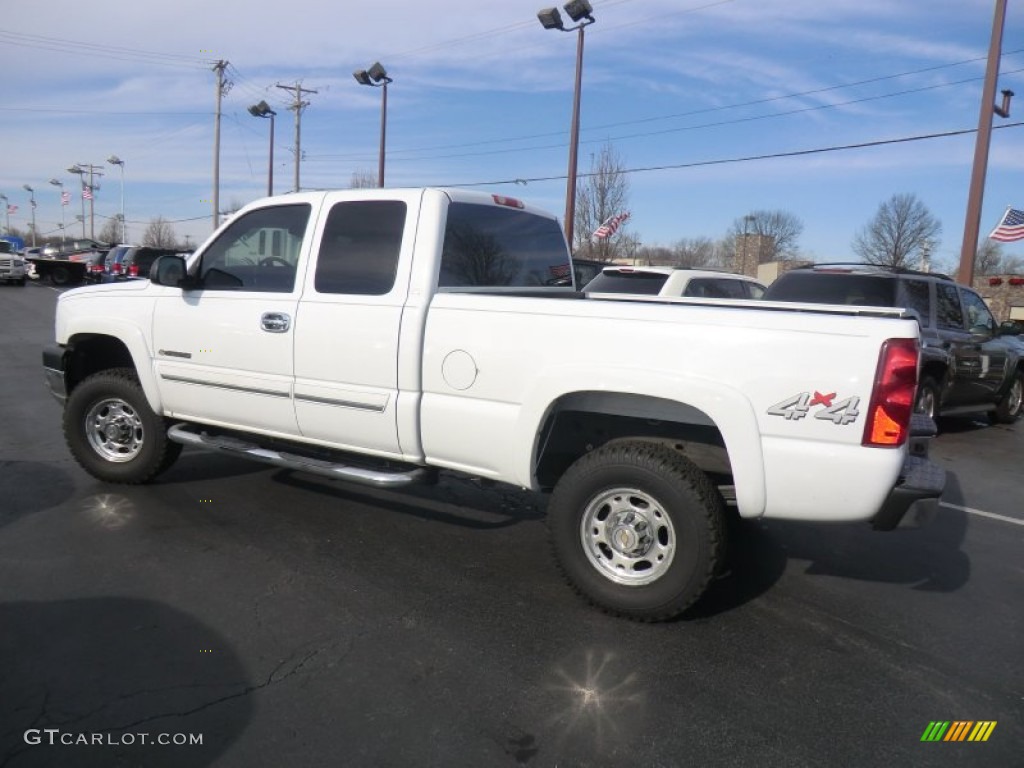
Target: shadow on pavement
x=27, y=487
x=116, y=667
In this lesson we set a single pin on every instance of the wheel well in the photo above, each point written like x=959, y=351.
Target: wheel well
x=89, y=354
x=935, y=371
x=583, y=421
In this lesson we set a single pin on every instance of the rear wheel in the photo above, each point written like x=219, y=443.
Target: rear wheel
x=60, y=276
x=1012, y=404
x=113, y=433
x=637, y=529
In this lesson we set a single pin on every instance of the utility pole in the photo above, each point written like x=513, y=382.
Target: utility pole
x=297, y=106
x=972, y=223
x=222, y=88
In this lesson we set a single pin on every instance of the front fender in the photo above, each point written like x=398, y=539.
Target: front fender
x=131, y=337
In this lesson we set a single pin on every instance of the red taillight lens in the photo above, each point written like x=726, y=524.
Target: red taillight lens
x=133, y=270
x=95, y=267
x=116, y=268
x=892, y=397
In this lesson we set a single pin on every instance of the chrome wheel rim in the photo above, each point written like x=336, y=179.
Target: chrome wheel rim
x=1015, y=396
x=926, y=402
x=114, y=430
x=628, y=536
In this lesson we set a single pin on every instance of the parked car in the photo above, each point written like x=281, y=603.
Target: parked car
x=675, y=281
x=137, y=261
x=586, y=270
x=969, y=363
x=12, y=265
x=112, y=262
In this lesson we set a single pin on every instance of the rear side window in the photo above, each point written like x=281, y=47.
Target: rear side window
x=615, y=281
x=915, y=294
x=715, y=288
x=947, y=308
x=834, y=288
x=360, y=247
x=498, y=247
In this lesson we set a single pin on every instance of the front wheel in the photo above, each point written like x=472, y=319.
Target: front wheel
x=637, y=529
x=927, y=398
x=113, y=433
x=1011, y=406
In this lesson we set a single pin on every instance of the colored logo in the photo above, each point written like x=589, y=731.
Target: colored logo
x=959, y=730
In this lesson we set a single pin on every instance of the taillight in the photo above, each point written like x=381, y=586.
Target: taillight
x=95, y=267
x=115, y=268
x=511, y=202
x=892, y=397
x=133, y=270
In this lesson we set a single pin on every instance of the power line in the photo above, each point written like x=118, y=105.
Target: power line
x=61, y=45
x=748, y=158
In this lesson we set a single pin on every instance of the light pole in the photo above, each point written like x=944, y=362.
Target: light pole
x=377, y=76
x=59, y=183
x=579, y=11
x=81, y=178
x=32, y=202
x=263, y=110
x=87, y=192
x=115, y=160
x=7, y=213
x=976, y=191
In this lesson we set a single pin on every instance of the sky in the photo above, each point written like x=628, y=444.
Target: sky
x=684, y=91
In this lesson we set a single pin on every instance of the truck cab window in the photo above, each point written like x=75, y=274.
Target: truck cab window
x=492, y=247
x=258, y=251
x=360, y=247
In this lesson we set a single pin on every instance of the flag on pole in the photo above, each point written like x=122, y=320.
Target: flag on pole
x=610, y=227
x=12, y=209
x=33, y=203
x=86, y=193
x=1010, y=228
x=65, y=198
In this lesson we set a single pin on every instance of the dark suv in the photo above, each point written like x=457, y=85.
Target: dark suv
x=969, y=364
x=131, y=262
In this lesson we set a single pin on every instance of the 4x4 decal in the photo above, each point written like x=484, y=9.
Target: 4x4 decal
x=796, y=407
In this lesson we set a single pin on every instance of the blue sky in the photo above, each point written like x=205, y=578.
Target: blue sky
x=482, y=93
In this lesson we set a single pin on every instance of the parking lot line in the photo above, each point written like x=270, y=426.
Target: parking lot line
x=982, y=513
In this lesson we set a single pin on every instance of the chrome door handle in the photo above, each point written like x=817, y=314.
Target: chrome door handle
x=275, y=322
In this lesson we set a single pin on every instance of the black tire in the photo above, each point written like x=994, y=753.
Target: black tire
x=927, y=400
x=677, y=512
x=21, y=281
x=1011, y=406
x=133, y=446
x=60, y=276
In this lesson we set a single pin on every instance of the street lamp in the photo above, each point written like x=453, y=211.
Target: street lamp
x=32, y=202
x=263, y=110
x=115, y=160
x=581, y=12
x=87, y=192
x=7, y=213
x=377, y=77
x=59, y=183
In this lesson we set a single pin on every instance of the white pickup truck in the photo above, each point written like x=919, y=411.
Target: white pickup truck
x=377, y=336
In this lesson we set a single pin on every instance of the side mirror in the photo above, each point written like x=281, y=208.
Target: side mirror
x=168, y=270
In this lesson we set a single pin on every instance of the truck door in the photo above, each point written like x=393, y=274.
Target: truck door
x=347, y=341
x=223, y=350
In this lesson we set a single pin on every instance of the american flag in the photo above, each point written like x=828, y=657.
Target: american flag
x=610, y=227
x=65, y=198
x=12, y=209
x=87, y=193
x=1010, y=228
x=32, y=203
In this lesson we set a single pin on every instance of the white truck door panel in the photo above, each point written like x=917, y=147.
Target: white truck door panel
x=224, y=349
x=349, y=322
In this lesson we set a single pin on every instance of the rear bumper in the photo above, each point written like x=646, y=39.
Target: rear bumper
x=914, y=499
x=53, y=370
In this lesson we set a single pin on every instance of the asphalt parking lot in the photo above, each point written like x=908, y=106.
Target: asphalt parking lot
x=291, y=621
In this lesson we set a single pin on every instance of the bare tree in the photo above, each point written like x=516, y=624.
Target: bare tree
x=601, y=194
x=900, y=230
x=160, y=233
x=695, y=252
x=991, y=260
x=362, y=180
x=775, y=235
x=111, y=232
